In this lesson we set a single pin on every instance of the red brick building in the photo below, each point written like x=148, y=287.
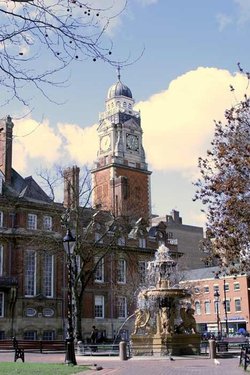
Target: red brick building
x=220, y=303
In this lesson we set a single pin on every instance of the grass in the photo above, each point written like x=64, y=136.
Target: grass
x=20, y=368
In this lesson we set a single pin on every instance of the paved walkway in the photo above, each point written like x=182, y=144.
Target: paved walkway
x=140, y=366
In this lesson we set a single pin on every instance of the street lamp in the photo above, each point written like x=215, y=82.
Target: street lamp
x=69, y=243
x=217, y=296
x=225, y=305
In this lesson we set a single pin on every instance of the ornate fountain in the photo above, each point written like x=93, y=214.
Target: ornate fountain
x=164, y=321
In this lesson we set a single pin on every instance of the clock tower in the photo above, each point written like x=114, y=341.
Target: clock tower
x=121, y=180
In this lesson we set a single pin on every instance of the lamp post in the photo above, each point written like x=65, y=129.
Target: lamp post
x=217, y=296
x=69, y=243
x=225, y=305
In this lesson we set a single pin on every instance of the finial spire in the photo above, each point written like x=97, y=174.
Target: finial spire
x=119, y=72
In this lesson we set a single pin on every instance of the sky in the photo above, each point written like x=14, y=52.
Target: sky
x=180, y=85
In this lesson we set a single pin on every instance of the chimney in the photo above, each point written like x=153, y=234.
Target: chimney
x=71, y=187
x=6, y=127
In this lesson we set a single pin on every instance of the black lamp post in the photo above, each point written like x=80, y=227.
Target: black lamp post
x=225, y=305
x=217, y=296
x=69, y=243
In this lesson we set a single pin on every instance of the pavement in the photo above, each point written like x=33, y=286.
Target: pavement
x=187, y=365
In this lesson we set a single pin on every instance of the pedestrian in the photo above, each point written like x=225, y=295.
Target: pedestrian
x=93, y=338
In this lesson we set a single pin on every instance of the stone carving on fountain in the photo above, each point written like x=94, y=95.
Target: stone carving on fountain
x=164, y=320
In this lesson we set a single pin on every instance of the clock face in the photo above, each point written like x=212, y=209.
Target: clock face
x=132, y=142
x=105, y=143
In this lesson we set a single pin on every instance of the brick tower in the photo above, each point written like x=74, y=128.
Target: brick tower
x=121, y=179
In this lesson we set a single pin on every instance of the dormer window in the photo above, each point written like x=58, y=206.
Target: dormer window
x=121, y=241
x=142, y=243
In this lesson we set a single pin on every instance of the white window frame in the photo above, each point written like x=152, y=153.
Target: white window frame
x=30, y=275
x=47, y=223
x=48, y=275
x=1, y=304
x=236, y=286
x=228, y=305
x=236, y=300
x=207, y=307
x=1, y=219
x=1, y=260
x=99, y=272
x=122, y=271
x=99, y=307
x=142, y=242
x=122, y=307
x=197, y=309
x=32, y=221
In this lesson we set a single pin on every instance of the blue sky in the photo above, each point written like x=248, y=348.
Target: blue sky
x=181, y=83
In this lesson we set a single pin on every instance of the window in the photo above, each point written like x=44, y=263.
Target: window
x=228, y=308
x=30, y=335
x=99, y=272
x=30, y=312
x=1, y=219
x=121, y=271
x=196, y=289
x=32, y=221
x=122, y=307
x=30, y=273
x=197, y=307
x=207, y=307
x=206, y=289
x=47, y=223
x=118, y=103
x=226, y=286
x=49, y=335
x=142, y=243
x=2, y=335
x=1, y=305
x=98, y=237
x=142, y=272
x=99, y=307
x=236, y=286
x=216, y=288
x=48, y=275
x=216, y=307
x=121, y=241
x=237, y=303
x=1, y=260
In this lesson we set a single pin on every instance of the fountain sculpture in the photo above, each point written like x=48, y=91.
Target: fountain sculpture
x=164, y=321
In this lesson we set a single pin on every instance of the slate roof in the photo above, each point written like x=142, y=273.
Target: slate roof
x=200, y=273
x=26, y=188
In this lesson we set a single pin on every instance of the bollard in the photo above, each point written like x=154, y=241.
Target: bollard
x=123, y=351
x=212, y=349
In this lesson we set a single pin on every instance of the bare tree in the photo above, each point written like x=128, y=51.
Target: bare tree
x=62, y=30
x=224, y=188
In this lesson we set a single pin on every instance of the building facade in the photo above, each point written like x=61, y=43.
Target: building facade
x=221, y=303
x=187, y=237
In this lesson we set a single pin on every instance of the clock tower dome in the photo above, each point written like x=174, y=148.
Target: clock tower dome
x=121, y=180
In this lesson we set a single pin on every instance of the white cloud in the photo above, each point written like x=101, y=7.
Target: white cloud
x=244, y=11
x=80, y=143
x=34, y=140
x=178, y=122
x=223, y=21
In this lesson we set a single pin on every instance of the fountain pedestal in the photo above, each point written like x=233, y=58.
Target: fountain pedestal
x=156, y=345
